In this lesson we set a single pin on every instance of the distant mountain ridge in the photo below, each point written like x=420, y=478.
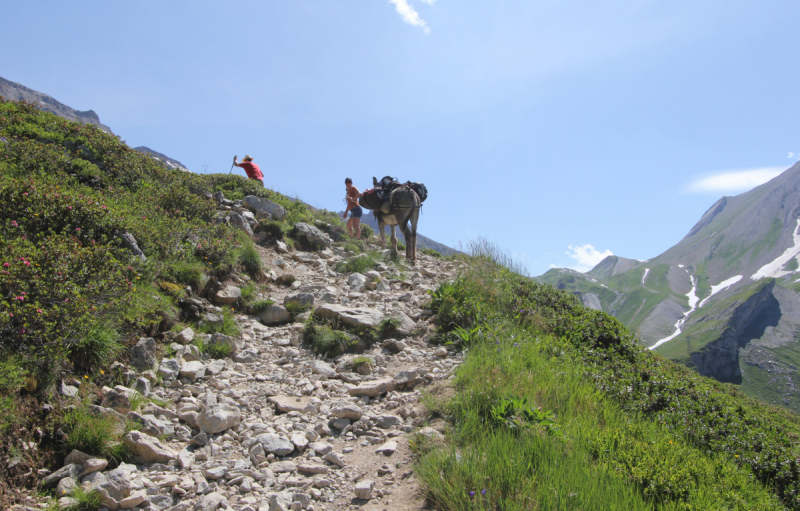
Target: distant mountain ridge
x=724, y=299
x=17, y=92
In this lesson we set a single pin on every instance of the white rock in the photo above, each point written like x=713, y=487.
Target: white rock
x=148, y=449
x=218, y=418
x=363, y=489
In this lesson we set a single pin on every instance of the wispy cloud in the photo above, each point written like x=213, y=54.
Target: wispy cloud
x=791, y=155
x=733, y=180
x=586, y=257
x=411, y=16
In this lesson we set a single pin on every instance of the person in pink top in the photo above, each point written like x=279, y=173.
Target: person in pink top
x=252, y=170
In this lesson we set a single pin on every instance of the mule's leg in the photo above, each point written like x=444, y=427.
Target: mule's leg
x=394, y=238
x=381, y=225
x=413, y=237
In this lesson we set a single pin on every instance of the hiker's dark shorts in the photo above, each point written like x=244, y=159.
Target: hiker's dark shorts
x=356, y=212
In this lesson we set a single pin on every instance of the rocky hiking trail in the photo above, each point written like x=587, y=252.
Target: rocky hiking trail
x=277, y=426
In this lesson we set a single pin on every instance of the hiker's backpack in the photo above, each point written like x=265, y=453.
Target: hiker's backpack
x=420, y=190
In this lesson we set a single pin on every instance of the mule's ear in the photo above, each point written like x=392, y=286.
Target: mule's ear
x=374, y=182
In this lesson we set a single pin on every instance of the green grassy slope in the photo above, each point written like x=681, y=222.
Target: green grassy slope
x=554, y=397
x=72, y=296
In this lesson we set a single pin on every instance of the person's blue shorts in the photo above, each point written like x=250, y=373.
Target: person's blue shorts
x=356, y=212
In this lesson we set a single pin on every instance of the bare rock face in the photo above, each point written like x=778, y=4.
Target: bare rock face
x=218, y=418
x=148, y=449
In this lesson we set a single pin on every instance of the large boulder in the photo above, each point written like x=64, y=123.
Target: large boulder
x=264, y=208
x=293, y=404
x=143, y=354
x=148, y=449
x=275, y=315
x=311, y=237
x=227, y=295
x=218, y=418
x=300, y=300
x=240, y=223
x=351, y=316
x=275, y=444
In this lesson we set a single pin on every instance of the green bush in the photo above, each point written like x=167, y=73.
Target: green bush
x=259, y=306
x=325, y=340
x=366, y=232
x=219, y=350
x=388, y=327
x=98, y=348
x=250, y=259
x=12, y=374
x=86, y=500
x=92, y=433
x=248, y=292
x=229, y=325
x=275, y=230
x=189, y=272
x=358, y=264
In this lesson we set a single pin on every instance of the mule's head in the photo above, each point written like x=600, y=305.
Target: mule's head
x=374, y=182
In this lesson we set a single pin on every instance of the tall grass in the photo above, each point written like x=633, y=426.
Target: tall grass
x=598, y=453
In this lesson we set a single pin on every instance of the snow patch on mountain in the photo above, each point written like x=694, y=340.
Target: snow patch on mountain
x=644, y=276
x=773, y=269
x=693, y=299
x=719, y=287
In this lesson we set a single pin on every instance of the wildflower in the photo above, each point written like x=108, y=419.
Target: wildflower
x=6, y=265
x=39, y=311
x=483, y=491
x=78, y=229
x=102, y=372
x=14, y=223
x=85, y=377
x=69, y=207
x=472, y=494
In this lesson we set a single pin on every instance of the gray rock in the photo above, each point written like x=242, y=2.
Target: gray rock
x=148, y=449
x=351, y=412
x=240, y=223
x=341, y=423
x=387, y=449
x=130, y=243
x=275, y=444
x=388, y=421
x=193, y=370
x=215, y=366
x=169, y=369
x=65, y=486
x=160, y=502
x=293, y=404
x=281, y=501
x=76, y=456
x=356, y=317
x=211, y=502
x=115, y=484
x=142, y=386
x=246, y=356
x=286, y=279
x=264, y=208
x=356, y=282
x=72, y=470
x=217, y=418
x=132, y=501
x=283, y=466
x=227, y=295
x=320, y=367
x=186, y=459
x=275, y=315
x=116, y=400
x=93, y=465
x=68, y=390
x=334, y=458
x=185, y=336
x=363, y=489
x=214, y=320
x=311, y=236
x=143, y=354
x=299, y=300
x=321, y=448
x=215, y=472
x=372, y=388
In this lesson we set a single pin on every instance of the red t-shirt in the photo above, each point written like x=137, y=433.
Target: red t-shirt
x=253, y=172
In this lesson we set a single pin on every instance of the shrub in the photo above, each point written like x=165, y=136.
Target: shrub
x=99, y=347
x=229, y=325
x=327, y=341
x=260, y=305
x=358, y=264
x=85, y=500
x=219, y=350
x=189, y=272
x=359, y=361
x=366, y=232
x=90, y=433
x=274, y=229
x=248, y=292
x=356, y=246
x=250, y=259
x=12, y=374
x=174, y=290
x=388, y=327
x=296, y=308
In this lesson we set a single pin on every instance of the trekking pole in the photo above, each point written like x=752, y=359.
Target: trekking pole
x=232, y=164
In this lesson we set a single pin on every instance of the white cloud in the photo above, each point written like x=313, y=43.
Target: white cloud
x=791, y=155
x=586, y=257
x=733, y=181
x=429, y=2
x=409, y=15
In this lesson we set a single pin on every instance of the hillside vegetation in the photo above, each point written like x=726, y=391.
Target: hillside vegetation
x=72, y=294
x=558, y=406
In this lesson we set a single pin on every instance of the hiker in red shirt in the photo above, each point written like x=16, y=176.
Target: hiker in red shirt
x=253, y=172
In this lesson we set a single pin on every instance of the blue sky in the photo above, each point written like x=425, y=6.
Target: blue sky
x=561, y=130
